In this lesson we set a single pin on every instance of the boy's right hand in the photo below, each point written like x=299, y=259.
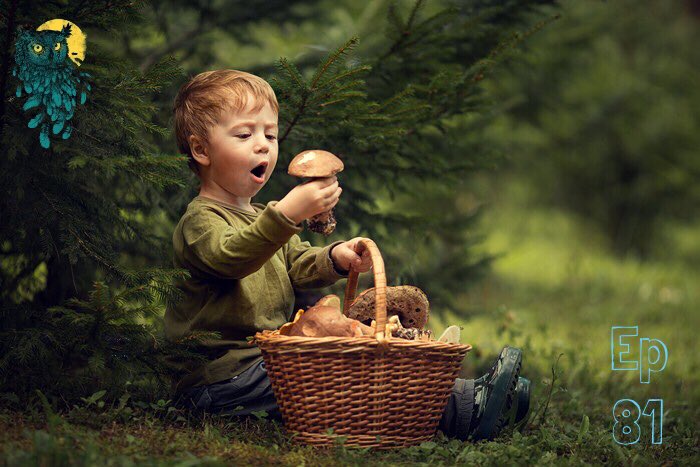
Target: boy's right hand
x=311, y=198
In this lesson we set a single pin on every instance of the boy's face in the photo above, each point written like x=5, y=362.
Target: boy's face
x=242, y=151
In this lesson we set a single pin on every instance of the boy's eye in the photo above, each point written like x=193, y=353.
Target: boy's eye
x=271, y=137
x=243, y=135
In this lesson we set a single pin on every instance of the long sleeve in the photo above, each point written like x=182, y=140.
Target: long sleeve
x=311, y=267
x=213, y=247
x=244, y=267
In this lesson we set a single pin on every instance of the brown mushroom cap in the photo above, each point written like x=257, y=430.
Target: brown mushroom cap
x=408, y=302
x=315, y=163
x=323, y=321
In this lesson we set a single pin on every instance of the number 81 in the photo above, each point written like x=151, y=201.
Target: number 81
x=626, y=413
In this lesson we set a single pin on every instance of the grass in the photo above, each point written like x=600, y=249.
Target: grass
x=555, y=292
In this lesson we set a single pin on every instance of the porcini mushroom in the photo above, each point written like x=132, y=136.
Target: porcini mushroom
x=315, y=164
x=324, y=321
x=394, y=328
x=408, y=302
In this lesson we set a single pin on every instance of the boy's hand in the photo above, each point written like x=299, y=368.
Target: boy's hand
x=311, y=198
x=344, y=256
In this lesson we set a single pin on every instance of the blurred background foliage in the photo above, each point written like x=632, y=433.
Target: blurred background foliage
x=546, y=156
x=538, y=178
x=410, y=130
x=595, y=113
x=603, y=112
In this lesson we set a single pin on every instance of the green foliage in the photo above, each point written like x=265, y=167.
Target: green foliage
x=606, y=117
x=93, y=209
x=565, y=306
x=108, y=341
x=392, y=115
x=79, y=307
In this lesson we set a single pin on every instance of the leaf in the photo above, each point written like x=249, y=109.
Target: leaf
x=34, y=122
x=44, y=137
x=57, y=127
x=52, y=419
x=122, y=401
x=77, y=162
x=428, y=445
x=32, y=102
x=94, y=398
x=583, y=430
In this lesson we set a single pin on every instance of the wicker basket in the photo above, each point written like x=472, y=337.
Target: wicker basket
x=372, y=391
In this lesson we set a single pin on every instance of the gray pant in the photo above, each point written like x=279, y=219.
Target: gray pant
x=251, y=392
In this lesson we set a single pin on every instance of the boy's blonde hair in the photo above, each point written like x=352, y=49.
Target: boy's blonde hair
x=200, y=103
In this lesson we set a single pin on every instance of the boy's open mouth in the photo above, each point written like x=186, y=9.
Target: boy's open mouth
x=259, y=169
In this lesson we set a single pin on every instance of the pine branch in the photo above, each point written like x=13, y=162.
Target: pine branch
x=83, y=244
x=5, y=68
x=344, y=75
x=406, y=30
x=333, y=59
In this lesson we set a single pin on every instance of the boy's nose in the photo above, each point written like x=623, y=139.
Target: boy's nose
x=262, y=145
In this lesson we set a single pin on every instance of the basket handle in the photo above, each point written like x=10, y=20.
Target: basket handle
x=379, y=285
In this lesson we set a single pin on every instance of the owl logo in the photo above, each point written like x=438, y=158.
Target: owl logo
x=49, y=76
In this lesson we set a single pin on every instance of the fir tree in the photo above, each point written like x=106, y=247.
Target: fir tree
x=405, y=112
x=72, y=312
x=406, y=117
x=83, y=234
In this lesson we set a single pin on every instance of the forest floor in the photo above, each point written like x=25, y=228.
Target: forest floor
x=554, y=292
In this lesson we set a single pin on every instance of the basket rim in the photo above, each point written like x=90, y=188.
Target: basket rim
x=364, y=341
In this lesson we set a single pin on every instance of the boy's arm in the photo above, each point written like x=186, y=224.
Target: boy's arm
x=311, y=267
x=212, y=246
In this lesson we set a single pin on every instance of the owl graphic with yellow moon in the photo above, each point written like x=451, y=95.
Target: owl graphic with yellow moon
x=46, y=64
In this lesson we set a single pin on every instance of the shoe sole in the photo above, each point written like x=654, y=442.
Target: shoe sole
x=522, y=412
x=499, y=404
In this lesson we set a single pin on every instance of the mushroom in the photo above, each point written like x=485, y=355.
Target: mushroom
x=395, y=329
x=408, y=302
x=325, y=319
x=315, y=164
x=451, y=335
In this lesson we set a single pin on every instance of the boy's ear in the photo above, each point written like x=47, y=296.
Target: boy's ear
x=199, y=151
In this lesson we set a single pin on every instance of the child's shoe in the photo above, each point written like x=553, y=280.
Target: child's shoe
x=522, y=413
x=495, y=394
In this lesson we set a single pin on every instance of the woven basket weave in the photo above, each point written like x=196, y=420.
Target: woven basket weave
x=376, y=391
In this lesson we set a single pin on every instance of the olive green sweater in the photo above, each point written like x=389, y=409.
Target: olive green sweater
x=244, y=268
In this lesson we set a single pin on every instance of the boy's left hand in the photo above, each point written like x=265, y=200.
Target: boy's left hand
x=344, y=256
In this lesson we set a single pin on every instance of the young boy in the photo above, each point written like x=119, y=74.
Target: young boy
x=246, y=259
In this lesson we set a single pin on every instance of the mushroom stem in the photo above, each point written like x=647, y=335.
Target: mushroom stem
x=317, y=164
x=323, y=223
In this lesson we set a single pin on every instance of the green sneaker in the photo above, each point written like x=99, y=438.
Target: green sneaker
x=522, y=398
x=495, y=393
